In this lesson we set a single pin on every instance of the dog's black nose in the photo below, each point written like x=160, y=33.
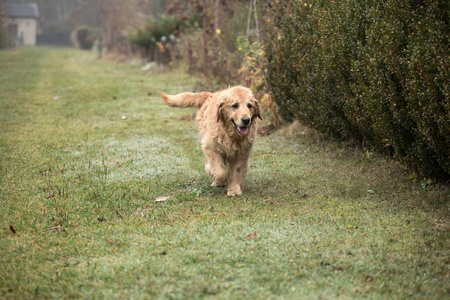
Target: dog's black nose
x=245, y=120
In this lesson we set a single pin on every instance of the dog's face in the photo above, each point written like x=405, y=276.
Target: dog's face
x=239, y=109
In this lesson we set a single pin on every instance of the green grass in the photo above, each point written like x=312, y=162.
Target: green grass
x=78, y=184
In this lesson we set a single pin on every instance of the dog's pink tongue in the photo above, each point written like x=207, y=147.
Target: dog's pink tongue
x=243, y=130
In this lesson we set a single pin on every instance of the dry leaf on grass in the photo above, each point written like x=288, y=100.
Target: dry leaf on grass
x=338, y=268
x=161, y=199
x=441, y=225
x=141, y=213
x=251, y=235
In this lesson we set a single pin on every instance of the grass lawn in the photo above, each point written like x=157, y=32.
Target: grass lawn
x=86, y=147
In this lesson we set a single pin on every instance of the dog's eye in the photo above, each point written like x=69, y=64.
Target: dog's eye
x=249, y=105
x=236, y=105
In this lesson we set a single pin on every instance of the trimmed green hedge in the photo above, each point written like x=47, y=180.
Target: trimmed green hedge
x=376, y=71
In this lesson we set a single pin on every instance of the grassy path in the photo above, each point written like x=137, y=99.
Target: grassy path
x=86, y=147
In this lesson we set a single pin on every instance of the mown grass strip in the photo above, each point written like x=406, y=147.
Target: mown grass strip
x=86, y=146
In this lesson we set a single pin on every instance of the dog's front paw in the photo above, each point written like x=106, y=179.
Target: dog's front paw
x=234, y=192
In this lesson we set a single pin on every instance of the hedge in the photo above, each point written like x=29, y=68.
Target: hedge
x=375, y=71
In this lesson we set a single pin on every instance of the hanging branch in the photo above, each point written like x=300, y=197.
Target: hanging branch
x=252, y=7
x=247, y=31
x=256, y=21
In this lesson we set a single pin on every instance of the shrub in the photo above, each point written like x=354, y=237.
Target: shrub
x=153, y=31
x=209, y=49
x=207, y=54
x=155, y=37
x=251, y=74
x=377, y=71
x=84, y=37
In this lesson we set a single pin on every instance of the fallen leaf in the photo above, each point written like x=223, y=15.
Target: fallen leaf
x=111, y=241
x=12, y=229
x=141, y=213
x=338, y=268
x=161, y=199
x=441, y=225
x=57, y=227
x=251, y=235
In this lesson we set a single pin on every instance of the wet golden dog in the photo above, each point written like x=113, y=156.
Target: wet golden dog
x=227, y=124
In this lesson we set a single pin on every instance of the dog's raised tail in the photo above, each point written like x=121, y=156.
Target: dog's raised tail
x=185, y=99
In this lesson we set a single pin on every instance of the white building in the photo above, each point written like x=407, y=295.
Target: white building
x=22, y=23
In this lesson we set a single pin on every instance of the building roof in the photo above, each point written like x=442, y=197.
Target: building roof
x=22, y=10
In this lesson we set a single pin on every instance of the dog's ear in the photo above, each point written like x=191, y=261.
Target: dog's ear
x=220, y=115
x=257, y=111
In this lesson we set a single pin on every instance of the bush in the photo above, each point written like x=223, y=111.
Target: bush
x=155, y=37
x=213, y=53
x=376, y=71
x=153, y=31
x=84, y=37
x=251, y=74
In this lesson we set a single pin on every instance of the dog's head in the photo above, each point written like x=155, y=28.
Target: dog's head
x=238, y=108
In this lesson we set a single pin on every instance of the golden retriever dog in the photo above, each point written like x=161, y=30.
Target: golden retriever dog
x=227, y=125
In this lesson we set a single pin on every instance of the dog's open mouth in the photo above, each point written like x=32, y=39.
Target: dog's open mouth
x=240, y=130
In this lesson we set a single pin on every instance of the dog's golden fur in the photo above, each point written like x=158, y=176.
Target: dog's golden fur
x=227, y=124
